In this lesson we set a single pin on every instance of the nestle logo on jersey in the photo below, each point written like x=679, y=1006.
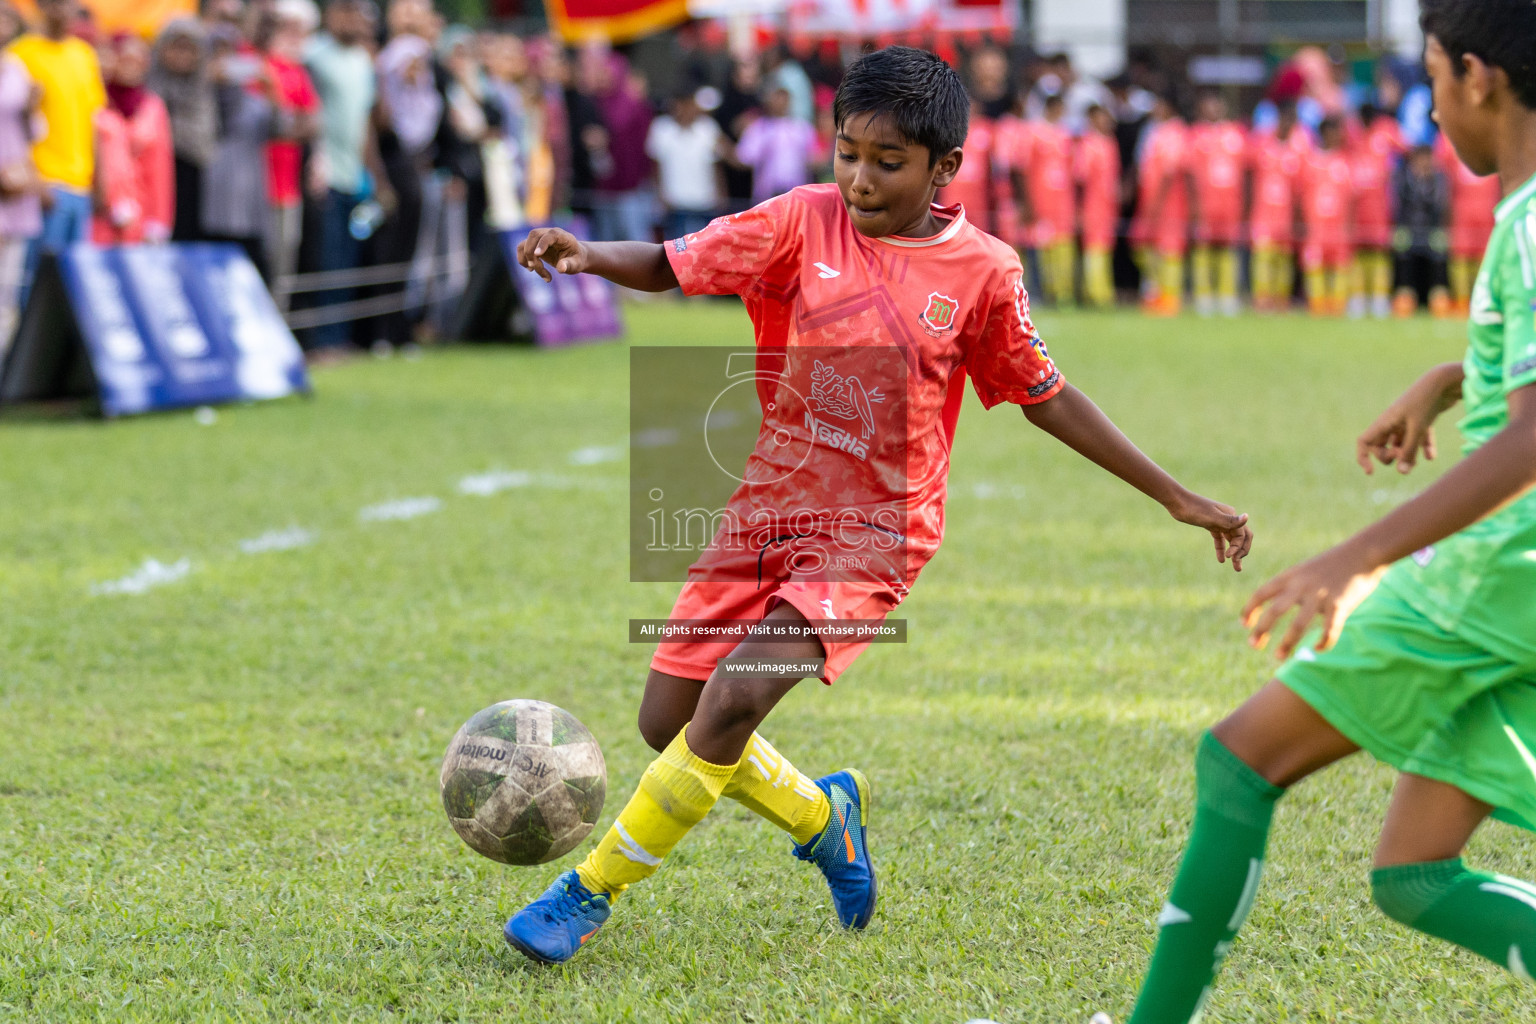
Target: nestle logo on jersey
x=938, y=316
x=843, y=398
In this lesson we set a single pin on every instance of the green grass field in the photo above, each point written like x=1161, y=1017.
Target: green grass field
x=218, y=797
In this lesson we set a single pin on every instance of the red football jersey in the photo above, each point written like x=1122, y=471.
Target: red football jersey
x=1472, y=201
x=863, y=349
x=1217, y=158
x=1371, y=160
x=973, y=187
x=1163, y=162
x=1277, y=167
x=1044, y=153
x=1098, y=169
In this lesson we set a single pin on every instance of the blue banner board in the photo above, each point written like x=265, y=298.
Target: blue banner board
x=152, y=327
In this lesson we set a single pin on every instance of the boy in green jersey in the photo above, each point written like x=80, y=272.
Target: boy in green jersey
x=1425, y=655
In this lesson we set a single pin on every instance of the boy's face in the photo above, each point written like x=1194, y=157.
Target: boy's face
x=885, y=181
x=1462, y=109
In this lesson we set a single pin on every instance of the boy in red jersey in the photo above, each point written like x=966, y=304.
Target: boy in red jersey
x=1276, y=159
x=1042, y=160
x=1098, y=171
x=916, y=299
x=1473, y=198
x=1161, y=230
x=1371, y=160
x=1327, y=195
x=1217, y=155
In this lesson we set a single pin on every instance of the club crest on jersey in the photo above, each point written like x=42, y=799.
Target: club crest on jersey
x=939, y=315
x=843, y=398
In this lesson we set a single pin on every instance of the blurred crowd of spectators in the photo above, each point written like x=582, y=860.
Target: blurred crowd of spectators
x=355, y=137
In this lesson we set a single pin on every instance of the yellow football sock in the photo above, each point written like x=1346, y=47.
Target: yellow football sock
x=1287, y=276
x=1146, y=262
x=1171, y=279
x=1200, y=273
x=1263, y=275
x=675, y=793
x=1226, y=273
x=1317, y=289
x=1463, y=273
x=766, y=783
x=1098, y=278
x=1338, y=292
x=1380, y=281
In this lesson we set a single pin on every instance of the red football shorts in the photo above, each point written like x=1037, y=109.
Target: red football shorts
x=746, y=583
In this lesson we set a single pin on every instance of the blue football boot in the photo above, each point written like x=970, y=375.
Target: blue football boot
x=840, y=850
x=554, y=927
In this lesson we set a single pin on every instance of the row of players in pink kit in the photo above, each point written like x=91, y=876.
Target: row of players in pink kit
x=1204, y=189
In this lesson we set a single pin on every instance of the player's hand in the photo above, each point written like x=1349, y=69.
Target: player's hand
x=1327, y=587
x=1228, y=528
x=1408, y=425
x=554, y=246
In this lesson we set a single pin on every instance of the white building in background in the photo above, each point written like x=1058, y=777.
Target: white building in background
x=1092, y=31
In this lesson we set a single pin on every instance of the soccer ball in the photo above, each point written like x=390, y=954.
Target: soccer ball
x=523, y=782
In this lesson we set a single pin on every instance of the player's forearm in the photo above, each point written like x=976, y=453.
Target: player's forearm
x=1073, y=419
x=642, y=266
x=1487, y=480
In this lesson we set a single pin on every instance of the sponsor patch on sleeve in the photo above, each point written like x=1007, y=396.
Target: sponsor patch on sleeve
x=1045, y=385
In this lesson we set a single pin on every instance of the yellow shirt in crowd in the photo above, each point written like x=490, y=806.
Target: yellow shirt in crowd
x=70, y=79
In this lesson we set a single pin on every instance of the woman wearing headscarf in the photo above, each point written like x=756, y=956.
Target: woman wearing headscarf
x=235, y=204
x=409, y=113
x=135, y=167
x=179, y=76
x=624, y=207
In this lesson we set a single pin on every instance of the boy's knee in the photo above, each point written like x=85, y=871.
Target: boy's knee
x=733, y=701
x=659, y=726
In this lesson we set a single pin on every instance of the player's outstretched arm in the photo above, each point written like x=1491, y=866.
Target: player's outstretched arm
x=1332, y=584
x=1072, y=418
x=642, y=266
x=1408, y=425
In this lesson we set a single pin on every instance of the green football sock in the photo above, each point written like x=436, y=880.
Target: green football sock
x=1491, y=915
x=1215, y=886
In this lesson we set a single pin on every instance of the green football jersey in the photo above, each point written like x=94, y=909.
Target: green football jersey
x=1481, y=583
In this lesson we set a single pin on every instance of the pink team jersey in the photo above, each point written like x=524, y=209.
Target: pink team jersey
x=863, y=348
x=1044, y=154
x=1217, y=160
x=1472, y=202
x=1165, y=226
x=1277, y=165
x=1371, y=160
x=1327, y=195
x=973, y=185
x=1098, y=170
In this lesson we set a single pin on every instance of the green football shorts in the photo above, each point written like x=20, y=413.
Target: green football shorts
x=1427, y=702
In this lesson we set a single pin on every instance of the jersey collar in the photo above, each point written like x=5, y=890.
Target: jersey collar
x=956, y=216
x=1508, y=203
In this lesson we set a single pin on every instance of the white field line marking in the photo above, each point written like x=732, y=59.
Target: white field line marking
x=722, y=419
x=279, y=540
x=597, y=453
x=987, y=490
x=152, y=573
x=656, y=437
x=402, y=508
x=486, y=484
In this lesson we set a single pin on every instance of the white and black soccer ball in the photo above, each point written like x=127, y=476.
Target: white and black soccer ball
x=523, y=782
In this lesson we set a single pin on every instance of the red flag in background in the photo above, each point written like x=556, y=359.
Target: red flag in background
x=618, y=21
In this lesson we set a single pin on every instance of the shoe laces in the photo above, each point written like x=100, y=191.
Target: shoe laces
x=567, y=904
